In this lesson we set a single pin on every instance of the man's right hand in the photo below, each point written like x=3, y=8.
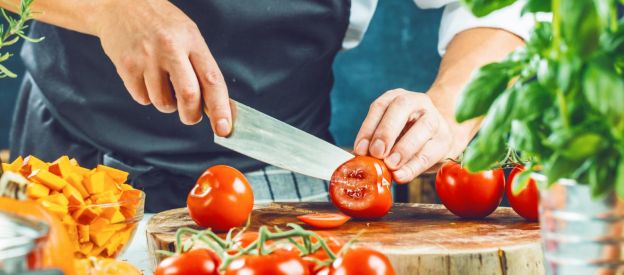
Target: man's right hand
x=163, y=60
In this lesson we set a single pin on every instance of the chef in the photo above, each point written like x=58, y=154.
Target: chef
x=126, y=83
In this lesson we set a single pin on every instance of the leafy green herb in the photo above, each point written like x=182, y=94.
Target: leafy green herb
x=565, y=111
x=12, y=32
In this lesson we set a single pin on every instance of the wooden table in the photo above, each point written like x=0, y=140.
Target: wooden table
x=418, y=238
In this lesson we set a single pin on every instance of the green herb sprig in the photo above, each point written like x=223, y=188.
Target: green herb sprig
x=12, y=31
x=559, y=100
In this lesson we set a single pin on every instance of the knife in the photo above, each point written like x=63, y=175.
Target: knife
x=269, y=140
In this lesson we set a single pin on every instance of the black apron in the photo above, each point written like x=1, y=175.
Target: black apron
x=275, y=55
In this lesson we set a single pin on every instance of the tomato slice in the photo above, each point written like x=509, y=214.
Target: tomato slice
x=360, y=188
x=324, y=220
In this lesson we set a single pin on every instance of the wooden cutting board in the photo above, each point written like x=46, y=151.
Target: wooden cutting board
x=418, y=238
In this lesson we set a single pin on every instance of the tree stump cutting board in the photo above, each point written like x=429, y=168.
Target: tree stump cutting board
x=417, y=238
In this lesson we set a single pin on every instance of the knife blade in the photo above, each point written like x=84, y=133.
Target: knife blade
x=269, y=140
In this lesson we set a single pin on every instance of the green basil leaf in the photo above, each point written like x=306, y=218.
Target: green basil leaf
x=559, y=167
x=534, y=6
x=486, y=85
x=619, y=179
x=603, y=89
x=576, y=143
x=520, y=181
x=532, y=100
x=600, y=176
x=581, y=26
x=524, y=137
x=482, y=8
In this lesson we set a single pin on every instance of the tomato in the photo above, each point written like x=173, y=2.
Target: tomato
x=221, y=199
x=320, y=255
x=277, y=263
x=526, y=202
x=197, y=261
x=324, y=220
x=56, y=249
x=360, y=188
x=361, y=261
x=469, y=195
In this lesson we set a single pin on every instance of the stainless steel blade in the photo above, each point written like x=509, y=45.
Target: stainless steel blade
x=267, y=139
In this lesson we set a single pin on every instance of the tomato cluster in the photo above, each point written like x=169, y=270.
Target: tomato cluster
x=263, y=252
x=477, y=195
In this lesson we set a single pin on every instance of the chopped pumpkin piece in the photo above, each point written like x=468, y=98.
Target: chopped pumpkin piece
x=99, y=224
x=76, y=181
x=48, y=179
x=73, y=195
x=100, y=238
x=117, y=217
x=86, y=215
x=57, y=209
x=36, y=190
x=86, y=247
x=83, y=233
x=59, y=199
x=16, y=164
x=97, y=183
x=34, y=163
x=117, y=175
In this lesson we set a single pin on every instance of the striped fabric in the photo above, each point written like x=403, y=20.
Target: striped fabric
x=275, y=184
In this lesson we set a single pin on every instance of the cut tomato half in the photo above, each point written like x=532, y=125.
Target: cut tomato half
x=324, y=220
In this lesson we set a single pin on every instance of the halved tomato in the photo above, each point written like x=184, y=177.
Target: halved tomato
x=360, y=188
x=324, y=220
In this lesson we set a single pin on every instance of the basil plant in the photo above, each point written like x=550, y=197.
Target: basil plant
x=559, y=100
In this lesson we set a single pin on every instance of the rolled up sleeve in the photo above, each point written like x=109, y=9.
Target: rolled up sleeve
x=457, y=18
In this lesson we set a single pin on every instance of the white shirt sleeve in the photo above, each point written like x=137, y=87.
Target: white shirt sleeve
x=361, y=14
x=457, y=18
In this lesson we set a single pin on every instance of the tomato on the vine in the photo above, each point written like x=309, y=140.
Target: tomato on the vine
x=361, y=261
x=360, y=188
x=221, y=199
x=324, y=220
x=469, y=195
x=526, y=202
x=197, y=261
x=280, y=262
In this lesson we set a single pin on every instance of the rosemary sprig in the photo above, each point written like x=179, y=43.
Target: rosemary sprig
x=12, y=31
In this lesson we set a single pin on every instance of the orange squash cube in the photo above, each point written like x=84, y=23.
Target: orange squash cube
x=36, y=190
x=83, y=233
x=73, y=196
x=86, y=215
x=76, y=181
x=48, y=179
x=118, y=175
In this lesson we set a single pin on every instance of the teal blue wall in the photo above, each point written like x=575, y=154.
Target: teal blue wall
x=399, y=50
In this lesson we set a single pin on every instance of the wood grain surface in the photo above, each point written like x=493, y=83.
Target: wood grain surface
x=418, y=238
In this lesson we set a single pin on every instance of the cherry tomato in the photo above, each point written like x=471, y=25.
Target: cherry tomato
x=362, y=261
x=360, y=188
x=277, y=263
x=221, y=199
x=526, y=202
x=469, y=195
x=320, y=255
x=324, y=220
x=197, y=262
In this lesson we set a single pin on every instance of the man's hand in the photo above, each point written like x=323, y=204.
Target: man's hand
x=163, y=60
x=406, y=130
x=411, y=131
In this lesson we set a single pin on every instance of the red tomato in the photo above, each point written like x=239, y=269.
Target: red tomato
x=526, y=202
x=197, y=262
x=360, y=188
x=469, y=195
x=361, y=261
x=324, y=220
x=277, y=263
x=221, y=199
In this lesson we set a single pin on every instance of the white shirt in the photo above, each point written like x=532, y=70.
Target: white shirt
x=455, y=19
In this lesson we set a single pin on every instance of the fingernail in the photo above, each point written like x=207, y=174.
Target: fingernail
x=378, y=148
x=362, y=147
x=223, y=127
x=394, y=159
x=400, y=175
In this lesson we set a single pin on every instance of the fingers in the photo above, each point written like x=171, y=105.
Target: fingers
x=159, y=90
x=394, y=120
x=187, y=91
x=431, y=152
x=135, y=84
x=374, y=116
x=214, y=91
x=424, y=129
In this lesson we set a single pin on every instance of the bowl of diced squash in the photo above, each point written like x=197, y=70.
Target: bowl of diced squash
x=98, y=207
